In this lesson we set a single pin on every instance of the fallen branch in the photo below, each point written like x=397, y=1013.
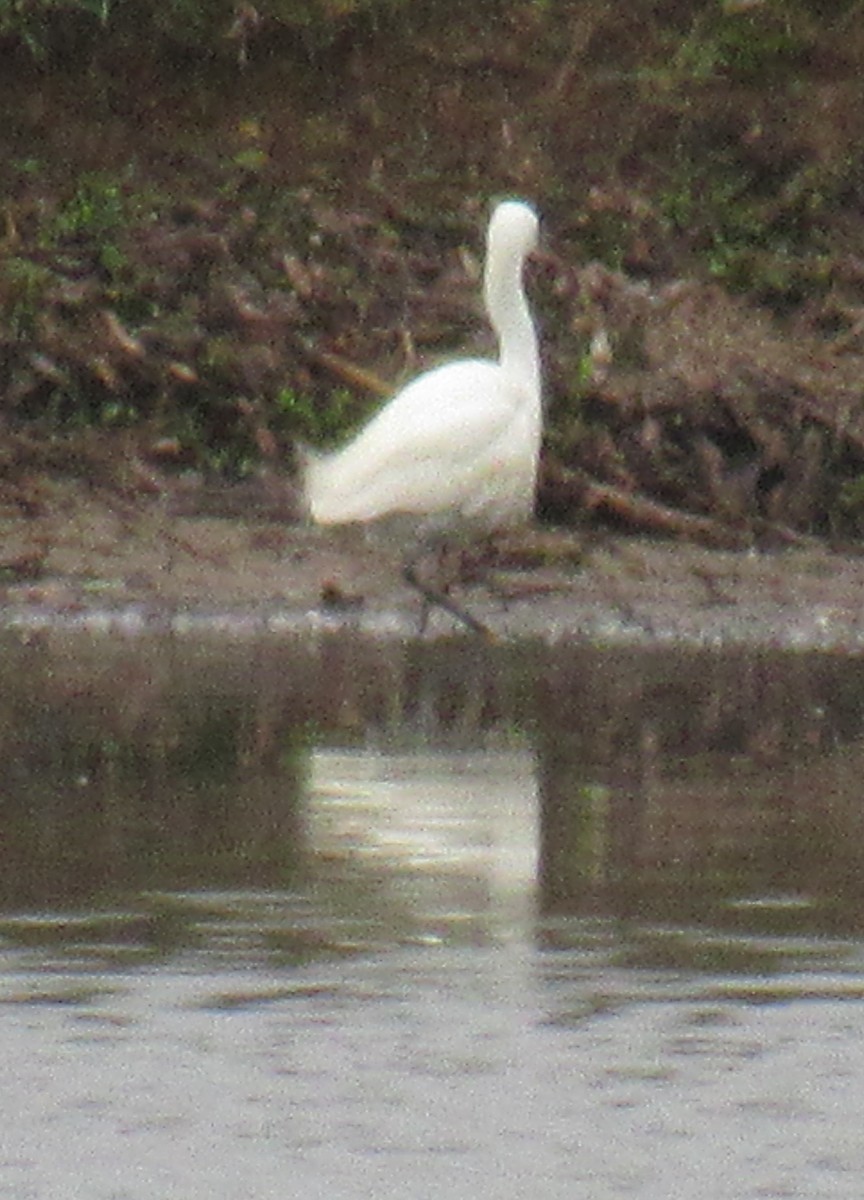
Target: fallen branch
x=347, y=372
x=638, y=510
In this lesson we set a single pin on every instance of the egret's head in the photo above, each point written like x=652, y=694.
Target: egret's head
x=514, y=224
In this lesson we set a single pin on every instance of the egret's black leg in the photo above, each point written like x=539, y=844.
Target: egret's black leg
x=476, y=566
x=432, y=596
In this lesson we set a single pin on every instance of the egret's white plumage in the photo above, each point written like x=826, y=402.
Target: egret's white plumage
x=460, y=443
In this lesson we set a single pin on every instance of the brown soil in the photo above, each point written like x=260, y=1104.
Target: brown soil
x=225, y=313
x=242, y=551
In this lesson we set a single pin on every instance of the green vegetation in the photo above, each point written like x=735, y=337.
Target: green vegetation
x=220, y=27
x=316, y=424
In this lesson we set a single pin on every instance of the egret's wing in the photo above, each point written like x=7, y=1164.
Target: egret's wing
x=427, y=450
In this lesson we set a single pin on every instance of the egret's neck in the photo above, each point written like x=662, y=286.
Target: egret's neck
x=510, y=317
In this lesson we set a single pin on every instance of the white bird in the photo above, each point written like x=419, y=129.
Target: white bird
x=459, y=445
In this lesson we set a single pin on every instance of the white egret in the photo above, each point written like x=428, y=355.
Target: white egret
x=458, y=446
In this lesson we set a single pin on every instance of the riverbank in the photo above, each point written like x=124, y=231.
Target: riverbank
x=222, y=254
x=199, y=552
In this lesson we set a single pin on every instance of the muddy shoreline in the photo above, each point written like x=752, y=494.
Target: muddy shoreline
x=85, y=555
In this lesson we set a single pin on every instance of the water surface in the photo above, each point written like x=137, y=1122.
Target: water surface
x=335, y=918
